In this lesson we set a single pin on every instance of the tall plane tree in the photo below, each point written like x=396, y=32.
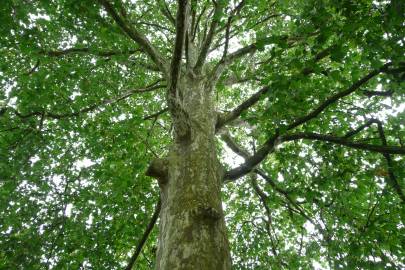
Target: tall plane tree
x=283, y=118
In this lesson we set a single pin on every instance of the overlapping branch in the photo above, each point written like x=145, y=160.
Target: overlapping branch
x=196, y=24
x=253, y=47
x=88, y=109
x=138, y=37
x=234, y=12
x=276, y=138
x=243, y=153
x=235, y=31
x=162, y=28
x=57, y=53
x=264, y=198
x=230, y=58
x=219, y=6
x=164, y=9
x=393, y=181
x=319, y=56
x=256, y=97
x=175, y=65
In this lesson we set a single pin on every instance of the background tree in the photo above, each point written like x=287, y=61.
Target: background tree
x=301, y=101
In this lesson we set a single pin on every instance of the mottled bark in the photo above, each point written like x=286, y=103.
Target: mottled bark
x=192, y=233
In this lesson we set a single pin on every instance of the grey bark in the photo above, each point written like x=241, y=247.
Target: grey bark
x=192, y=232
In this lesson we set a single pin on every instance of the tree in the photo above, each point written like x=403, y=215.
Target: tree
x=287, y=114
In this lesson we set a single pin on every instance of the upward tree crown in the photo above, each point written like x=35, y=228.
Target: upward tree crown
x=310, y=127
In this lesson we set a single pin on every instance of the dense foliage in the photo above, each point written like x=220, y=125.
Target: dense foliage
x=83, y=111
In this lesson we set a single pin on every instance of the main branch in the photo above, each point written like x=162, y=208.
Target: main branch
x=174, y=94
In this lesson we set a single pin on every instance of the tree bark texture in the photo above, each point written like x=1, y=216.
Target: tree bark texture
x=192, y=232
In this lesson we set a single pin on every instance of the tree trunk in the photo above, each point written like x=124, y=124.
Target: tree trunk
x=192, y=232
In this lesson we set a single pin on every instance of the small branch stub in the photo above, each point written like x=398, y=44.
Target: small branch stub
x=158, y=169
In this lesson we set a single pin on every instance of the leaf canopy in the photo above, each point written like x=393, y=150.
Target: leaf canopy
x=82, y=113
